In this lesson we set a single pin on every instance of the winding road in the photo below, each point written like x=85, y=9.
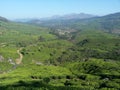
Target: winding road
x=19, y=60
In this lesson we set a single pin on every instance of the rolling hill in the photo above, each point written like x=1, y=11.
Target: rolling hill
x=74, y=54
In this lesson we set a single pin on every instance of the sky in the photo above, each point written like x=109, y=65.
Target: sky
x=14, y=9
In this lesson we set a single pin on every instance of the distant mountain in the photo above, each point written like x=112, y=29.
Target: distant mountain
x=3, y=19
x=22, y=20
x=109, y=23
x=57, y=17
x=71, y=16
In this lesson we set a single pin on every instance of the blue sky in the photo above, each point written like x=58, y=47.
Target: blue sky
x=13, y=9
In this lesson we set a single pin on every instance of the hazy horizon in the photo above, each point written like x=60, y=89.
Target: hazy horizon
x=14, y=9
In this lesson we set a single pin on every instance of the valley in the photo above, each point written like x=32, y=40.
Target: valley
x=69, y=54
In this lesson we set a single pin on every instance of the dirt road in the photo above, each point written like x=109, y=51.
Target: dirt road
x=19, y=60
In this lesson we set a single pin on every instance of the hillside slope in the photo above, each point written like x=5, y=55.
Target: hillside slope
x=77, y=55
x=3, y=19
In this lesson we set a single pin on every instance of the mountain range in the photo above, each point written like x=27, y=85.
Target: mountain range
x=57, y=17
x=109, y=23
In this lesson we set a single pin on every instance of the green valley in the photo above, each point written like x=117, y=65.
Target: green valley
x=70, y=55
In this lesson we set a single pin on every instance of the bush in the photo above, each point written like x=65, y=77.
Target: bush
x=46, y=80
x=68, y=83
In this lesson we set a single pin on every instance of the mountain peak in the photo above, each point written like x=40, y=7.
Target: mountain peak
x=77, y=16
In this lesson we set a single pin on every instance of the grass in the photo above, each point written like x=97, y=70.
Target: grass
x=27, y=73
x=45, y=51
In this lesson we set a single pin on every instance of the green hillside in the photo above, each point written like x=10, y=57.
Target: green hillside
x=14, y=36
x=83, y=55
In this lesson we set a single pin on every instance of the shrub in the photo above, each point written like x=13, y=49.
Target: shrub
x=46, y=80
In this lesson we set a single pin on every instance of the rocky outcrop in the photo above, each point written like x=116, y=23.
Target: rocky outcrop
x=1, y=58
